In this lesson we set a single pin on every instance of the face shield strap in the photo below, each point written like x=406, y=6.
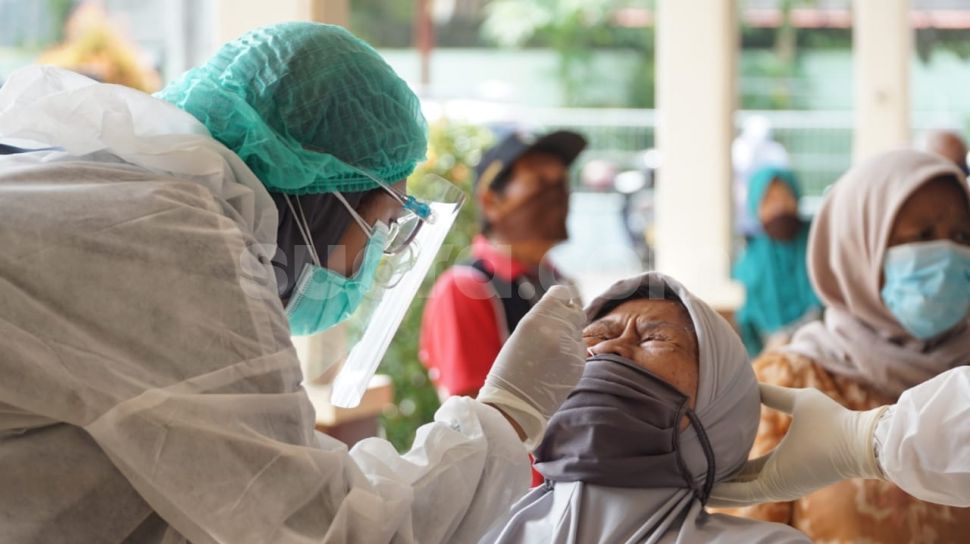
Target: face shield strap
x=303, y=226
x=368, y=230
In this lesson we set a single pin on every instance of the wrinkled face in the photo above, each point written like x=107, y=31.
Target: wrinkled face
x=377, y=205
x=657, y=335
x=936, y=211
x=778, y=200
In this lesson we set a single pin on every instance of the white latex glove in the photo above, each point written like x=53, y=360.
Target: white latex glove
x=825, y=444
x=540, y=363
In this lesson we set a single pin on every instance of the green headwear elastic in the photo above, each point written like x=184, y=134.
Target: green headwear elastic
x=306, y=105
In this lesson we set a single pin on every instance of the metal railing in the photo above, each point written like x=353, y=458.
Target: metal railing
x=819, y=143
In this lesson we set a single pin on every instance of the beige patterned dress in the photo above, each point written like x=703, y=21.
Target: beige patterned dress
x=857, y=511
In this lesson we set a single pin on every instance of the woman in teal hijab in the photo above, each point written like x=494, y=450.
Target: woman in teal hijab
x=772, y=267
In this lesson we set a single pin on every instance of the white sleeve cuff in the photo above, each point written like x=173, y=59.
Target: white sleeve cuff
x=531, y=421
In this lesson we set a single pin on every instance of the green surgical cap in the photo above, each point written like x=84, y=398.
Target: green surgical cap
x=306, y=105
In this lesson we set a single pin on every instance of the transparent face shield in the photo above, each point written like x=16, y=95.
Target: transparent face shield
x=350, y=352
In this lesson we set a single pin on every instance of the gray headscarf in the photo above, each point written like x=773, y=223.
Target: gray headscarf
x=727, y=408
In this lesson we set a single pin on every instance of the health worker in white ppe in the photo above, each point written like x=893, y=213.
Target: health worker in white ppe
x=158, y=253
x=921, y=444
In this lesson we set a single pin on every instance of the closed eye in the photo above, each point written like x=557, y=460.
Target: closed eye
x=602, y=331
x=656, y=338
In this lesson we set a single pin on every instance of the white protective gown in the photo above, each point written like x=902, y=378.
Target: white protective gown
x=150, y=391
x=924, y=440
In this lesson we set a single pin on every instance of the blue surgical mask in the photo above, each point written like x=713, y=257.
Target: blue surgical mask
x=927, y=286
x=323, y=298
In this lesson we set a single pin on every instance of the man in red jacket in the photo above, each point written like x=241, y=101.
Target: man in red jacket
x=522, y=190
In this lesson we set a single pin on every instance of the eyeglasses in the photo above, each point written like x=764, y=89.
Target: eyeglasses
x=414, y=205
x=418, y=208
x=401, y=231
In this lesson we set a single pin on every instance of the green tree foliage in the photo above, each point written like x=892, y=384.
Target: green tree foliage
x=774, y=74
x=769, y=83
x=454, y=149
x=386, y=24
x=930, y=40
x=575, y=29
x=382, y=23
x=60, y=11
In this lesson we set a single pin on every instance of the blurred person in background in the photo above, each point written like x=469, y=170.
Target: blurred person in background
x=949, y=145
x=779, y=296
x=751, y=151
x=522, y=190
x=889, y=256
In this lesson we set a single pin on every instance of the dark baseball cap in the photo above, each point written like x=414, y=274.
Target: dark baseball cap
x=496, y=163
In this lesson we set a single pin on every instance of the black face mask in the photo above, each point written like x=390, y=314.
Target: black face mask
x=620, y=427
x=783, y=227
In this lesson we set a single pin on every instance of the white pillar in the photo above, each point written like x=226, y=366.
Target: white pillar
x=697, y=44
x=882, y=51
x=236, y=17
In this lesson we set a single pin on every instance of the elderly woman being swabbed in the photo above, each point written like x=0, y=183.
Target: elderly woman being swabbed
x=667, y=406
